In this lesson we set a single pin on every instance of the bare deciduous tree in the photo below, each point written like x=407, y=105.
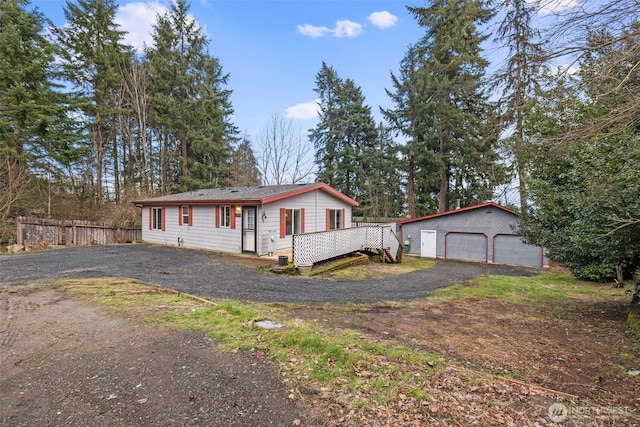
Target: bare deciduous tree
x=284, y=156
x=14, y=181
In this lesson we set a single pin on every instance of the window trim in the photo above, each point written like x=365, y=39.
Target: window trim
x=335, y=219
x=225, y=222
x=185, y=215
x=157, y=220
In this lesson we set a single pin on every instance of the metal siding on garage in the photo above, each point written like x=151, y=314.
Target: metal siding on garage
x=466, y=246
x=510, y=249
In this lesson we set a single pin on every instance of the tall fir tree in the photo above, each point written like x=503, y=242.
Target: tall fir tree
x=384, y=196
x=441, y=106
x=191, y=107
x=243, y=166
x=345, y=133
x=35, y=136
x=518, y=81
x=92, y=51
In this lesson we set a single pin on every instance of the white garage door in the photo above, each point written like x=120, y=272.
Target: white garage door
x=466, y=246
x=509, y=249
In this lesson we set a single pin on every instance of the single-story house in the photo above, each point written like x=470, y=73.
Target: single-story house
x=486, y=232
x=259, y=220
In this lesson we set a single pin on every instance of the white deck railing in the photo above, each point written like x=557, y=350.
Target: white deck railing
x=310, y=248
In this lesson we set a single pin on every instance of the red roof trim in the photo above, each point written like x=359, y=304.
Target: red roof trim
x=468, y=208
x=319, y=186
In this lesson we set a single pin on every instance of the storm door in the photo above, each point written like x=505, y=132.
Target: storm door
x=249, y=229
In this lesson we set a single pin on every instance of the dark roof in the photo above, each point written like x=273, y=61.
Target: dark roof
x=243, y=195
x=455, y=211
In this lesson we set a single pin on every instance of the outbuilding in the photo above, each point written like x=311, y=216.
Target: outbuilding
x=258, y=220
x=487, y=232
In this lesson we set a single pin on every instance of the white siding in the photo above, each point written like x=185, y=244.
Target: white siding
x=204, y=234
x=314, y=203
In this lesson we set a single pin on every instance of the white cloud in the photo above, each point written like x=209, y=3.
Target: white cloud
x=342, y=29
x=547, y=7
x=383, y=19
x=347, y=28
x=137, y=19
x=305, y=110
x=312, y=30
x=564, y=69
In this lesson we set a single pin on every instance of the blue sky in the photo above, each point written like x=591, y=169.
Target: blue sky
x=273, y=49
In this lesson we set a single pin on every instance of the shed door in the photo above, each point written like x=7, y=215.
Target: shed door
x=466, y=246
x=510, y=249
x=248, y=229
x=428, y=243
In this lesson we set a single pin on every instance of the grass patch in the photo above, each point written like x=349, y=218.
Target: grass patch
x=544, y=287
x=417, y=263
x=121, y=294
x=633, y=320
x=374, y=269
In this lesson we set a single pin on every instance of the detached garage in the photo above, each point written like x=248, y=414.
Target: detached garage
x=484, y=233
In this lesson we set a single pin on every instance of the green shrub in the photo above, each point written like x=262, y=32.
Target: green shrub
x=594, y=272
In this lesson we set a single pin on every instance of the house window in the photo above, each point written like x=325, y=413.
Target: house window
x=156, y=218
x=184, y=214
x=225, y=216
x=335, y=219
x=292, y=221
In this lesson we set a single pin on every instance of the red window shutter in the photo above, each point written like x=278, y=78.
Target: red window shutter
x=232, y=214
x=344, y=218
x=217, y=214
x=190, y=215
x=302, y=220
x=164, y=217
x=283, y=223
x=328, y=219
x=179, y=215
x=150, y=218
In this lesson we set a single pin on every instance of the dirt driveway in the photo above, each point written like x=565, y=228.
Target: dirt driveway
x=67, y=363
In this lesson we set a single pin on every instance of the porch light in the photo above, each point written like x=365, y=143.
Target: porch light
x=238, y=209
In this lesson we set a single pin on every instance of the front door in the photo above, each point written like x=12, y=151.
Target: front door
x=249, y=229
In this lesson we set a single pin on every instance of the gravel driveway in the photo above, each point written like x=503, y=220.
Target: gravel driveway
x=208, y=274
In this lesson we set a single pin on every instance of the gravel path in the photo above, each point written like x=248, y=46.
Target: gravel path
x=208, y=274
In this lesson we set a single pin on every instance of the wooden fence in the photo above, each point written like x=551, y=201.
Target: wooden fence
x=39, y=231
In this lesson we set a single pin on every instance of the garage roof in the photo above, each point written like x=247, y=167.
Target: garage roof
x=456, y=211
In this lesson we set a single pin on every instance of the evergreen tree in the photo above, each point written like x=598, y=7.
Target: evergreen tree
x=34, y=129
x=345, y=133
x=518, y=81
x=91, y=54
x=191, y=108
x=441, y=107
x=384, y=196
x=408, y=118
x=243, y=166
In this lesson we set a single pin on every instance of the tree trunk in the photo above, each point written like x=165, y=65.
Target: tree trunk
x=411, y=189
x=443, y=200
x=619, y=273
